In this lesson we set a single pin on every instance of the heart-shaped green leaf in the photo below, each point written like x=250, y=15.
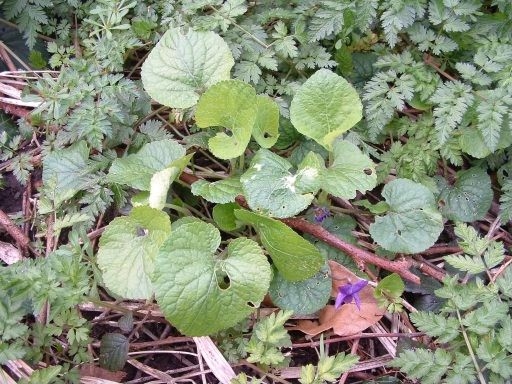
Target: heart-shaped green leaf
x=350, y=172
x=113, y=351
x=324, y=107
x=128, y=248
x=201, y=292
x=294, y=257
x=412, y=223
x=183, y=65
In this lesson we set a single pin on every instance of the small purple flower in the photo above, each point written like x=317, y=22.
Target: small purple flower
x=349, y=292
x=321, y=213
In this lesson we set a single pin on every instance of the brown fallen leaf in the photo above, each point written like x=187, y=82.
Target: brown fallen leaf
x=91, y=370
x=348, y=319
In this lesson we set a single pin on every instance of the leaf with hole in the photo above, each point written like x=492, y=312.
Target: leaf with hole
x=351, y=171
x=412, y=223
x=183, y=65
x=127, y=251
x=230, y=104
x=201, y=291
x=266, y=126
x=294, y=257
x=469, y=198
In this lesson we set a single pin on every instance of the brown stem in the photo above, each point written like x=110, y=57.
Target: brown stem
x=401, y=267
x=13, y=230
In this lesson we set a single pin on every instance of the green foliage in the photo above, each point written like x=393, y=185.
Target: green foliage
x=324, y=107
x=469, y=198
x=181, y=87
x=388, y=292
x=412, y=223
x=302, y=297
x=470, y=332
x=202, y=292
x=268, y=338
x=343, y=97
x=128, y=249
x=480, y=254
x=294, y=257
x=114, y=351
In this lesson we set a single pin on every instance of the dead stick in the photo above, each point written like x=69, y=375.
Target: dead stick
x=13, y=230
x=401, y=267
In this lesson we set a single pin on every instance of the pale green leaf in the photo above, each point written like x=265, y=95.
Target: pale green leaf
x=293, y=256
x=469, y=198
x=67, y=170
x=128, y=248
x=350, y=172
x=230, y=104
x=162, y=180
x=302, y=297
x=224, y=216
x=201, y=292
x=412, y=223
x=220, y=192
x=183, y=65
x=324, y=107
x=270, y=187
x=136, y=170
x=266, y=125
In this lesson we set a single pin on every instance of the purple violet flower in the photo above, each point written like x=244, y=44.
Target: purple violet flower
x=321, y=213
x=349, y=292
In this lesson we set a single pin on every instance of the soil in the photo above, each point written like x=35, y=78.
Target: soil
x=11, y=195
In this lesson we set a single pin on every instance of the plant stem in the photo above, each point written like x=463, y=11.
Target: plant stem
x=481, y=377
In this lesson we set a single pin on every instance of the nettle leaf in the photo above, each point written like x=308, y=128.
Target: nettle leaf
x=201, y=292
x=162, y=180
x=114, y=351
x=469, y=198
x=302, y=297
x=350, y=172
x=270, y=187
x=294, y=257
x=412, y=223
x=68, y=171
x=127, y=251
x=266, y=125
x=219, y=192
x=183, y=65
x=136, y=170
x=230, y=104
x=324, y=107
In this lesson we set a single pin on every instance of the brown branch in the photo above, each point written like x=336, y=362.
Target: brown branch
x=13, y=230
x=13, y=109
x=401, y=267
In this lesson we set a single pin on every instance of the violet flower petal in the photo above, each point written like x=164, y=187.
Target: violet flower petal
x=350, y=292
